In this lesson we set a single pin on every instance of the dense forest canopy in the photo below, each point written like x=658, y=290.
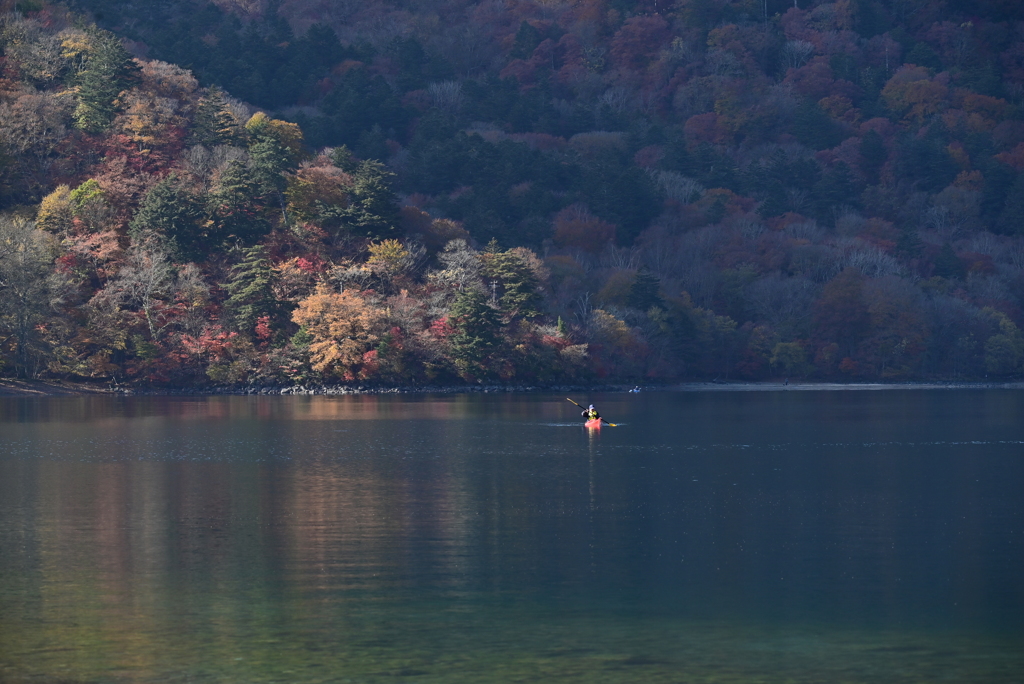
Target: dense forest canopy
x=254, y=192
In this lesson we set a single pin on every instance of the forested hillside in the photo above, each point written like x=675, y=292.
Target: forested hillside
x=423, y=191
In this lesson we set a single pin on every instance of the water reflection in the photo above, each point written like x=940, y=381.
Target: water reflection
x=95, y=410
x=304, y=538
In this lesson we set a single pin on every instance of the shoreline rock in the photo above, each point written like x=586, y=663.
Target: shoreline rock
x=38, y=388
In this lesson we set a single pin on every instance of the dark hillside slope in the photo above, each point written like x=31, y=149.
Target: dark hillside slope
x=716, y=188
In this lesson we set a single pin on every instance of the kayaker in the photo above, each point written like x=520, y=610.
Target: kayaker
x=590, y=413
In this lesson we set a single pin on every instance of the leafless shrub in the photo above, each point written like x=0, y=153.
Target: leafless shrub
x=795, y=53
x=806, y=230
x=750, y=228
x=202, y=163
x=620, y=258
x=850, y=224
x=985, y=242
x=575, y=354
x=446, y=96
x=348, y=276
x=797, y=199
x=582, y=308
x=870, y=260
x=722, y=63
x=144, y=280
x=32, y=125
x=618, y=98
x=37, y=53
x=988, y=287
x=460, y=267
x=678, y=187
x=819, y=262
x=1015, y=254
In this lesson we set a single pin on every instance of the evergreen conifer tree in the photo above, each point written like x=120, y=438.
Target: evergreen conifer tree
x=836, y=188
x=270, y=162
x=108, y=71
x=175, y=214
x=342, y=158
x=214, y=124
x=476, y=324
x=372, y=210
x=237, y=205
x=518, y=285
x=872, y=156
x=527, y=40
x=948, y=264
x=251, y=290
x=908, y=244
x=644, y=292
x=1011, y=220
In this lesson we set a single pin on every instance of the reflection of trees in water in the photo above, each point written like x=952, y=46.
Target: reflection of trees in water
x=341, y=540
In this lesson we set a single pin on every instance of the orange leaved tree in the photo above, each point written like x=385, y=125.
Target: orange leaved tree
x=344, y=326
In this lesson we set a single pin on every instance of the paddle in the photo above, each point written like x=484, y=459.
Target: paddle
x=602, y=420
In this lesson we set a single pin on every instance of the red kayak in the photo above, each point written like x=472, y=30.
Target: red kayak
x=596, y=423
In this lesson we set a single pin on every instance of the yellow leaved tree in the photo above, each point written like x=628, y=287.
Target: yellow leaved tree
x=389, y=257
x=287, y=134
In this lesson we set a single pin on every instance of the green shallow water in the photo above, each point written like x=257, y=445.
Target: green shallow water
x=517, y=646
x=769, y=537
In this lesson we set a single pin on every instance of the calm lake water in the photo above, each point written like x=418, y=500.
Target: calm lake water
x=790, y=536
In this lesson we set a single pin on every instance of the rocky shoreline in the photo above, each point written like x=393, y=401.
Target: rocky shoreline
x=28, y=388
x=335, y=390
x=39, y=388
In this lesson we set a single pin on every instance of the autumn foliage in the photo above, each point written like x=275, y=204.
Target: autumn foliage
x=537, y=193
x=342, y=326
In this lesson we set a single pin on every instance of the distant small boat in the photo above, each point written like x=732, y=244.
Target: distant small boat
x=595, y=423
x=635, y=390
